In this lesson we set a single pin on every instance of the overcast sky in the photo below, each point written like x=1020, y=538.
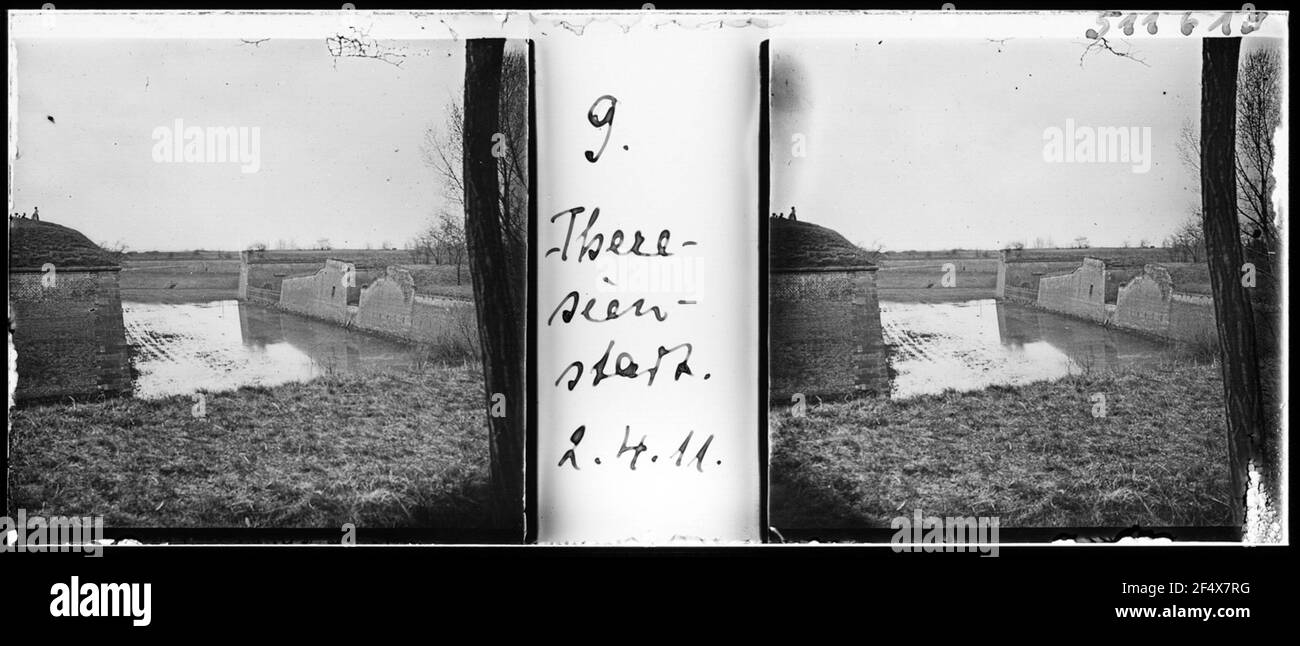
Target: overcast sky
x=934, y=144
x=339, y=143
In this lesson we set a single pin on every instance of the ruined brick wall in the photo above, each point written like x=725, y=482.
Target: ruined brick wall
x=70, y=337
x=1143, y=303
x=1080, y=293
x=380, y=302
x=1117, y=277
x=269, y=276
x=1146, y=301
x=323, y=295
x=262, y=273
x=387, y=304
x=390, y=305
x=1019, y=280
x=824, y=332
x=1151, y=304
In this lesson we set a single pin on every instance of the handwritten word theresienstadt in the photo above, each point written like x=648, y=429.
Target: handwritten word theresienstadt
x=593, y=244
x=626, y=366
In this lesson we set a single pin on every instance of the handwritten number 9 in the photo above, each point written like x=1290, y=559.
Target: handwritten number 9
x=600, y=122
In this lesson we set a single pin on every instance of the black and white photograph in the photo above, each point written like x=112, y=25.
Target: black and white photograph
x=340, y=316
x=269, y=283
x=1005, y=284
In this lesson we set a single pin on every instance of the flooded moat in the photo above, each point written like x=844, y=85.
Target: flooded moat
x=975, y=344
x=182, y=348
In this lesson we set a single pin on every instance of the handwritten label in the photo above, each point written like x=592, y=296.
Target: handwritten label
x=647, y=287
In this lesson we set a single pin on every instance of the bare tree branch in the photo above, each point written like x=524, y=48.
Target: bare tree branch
x=1101, y=44
x=443, y=150
x=1257, y=114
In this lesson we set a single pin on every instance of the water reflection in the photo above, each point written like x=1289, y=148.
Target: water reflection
x=185, y=347
x=976, y=344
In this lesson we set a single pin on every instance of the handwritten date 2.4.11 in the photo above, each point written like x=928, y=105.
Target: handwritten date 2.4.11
x=675, y=458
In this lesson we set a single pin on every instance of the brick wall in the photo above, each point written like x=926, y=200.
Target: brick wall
x=1143, y=303
x=270, y=275
x=1147, y=303
x=824, y=334
x=266, y=269
x=70, y=338
x=1080, y=293
x=388, y=305
x=1117, y=277
x=323, y=295
x=1019, y=279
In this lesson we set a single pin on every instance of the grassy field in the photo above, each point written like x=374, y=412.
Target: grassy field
x=932, y=256
x=1033, y=455
x=158, y=280
x=179, y=281
x=922, y=280
x=1112, y=255
x=1193, y=278
x=392, y=450
x=440, y=280
x=179, y=256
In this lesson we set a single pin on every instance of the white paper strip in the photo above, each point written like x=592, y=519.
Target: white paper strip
x=659, y=135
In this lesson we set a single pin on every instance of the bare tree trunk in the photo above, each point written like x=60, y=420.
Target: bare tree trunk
x=1232, y=309
x=496, y=282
